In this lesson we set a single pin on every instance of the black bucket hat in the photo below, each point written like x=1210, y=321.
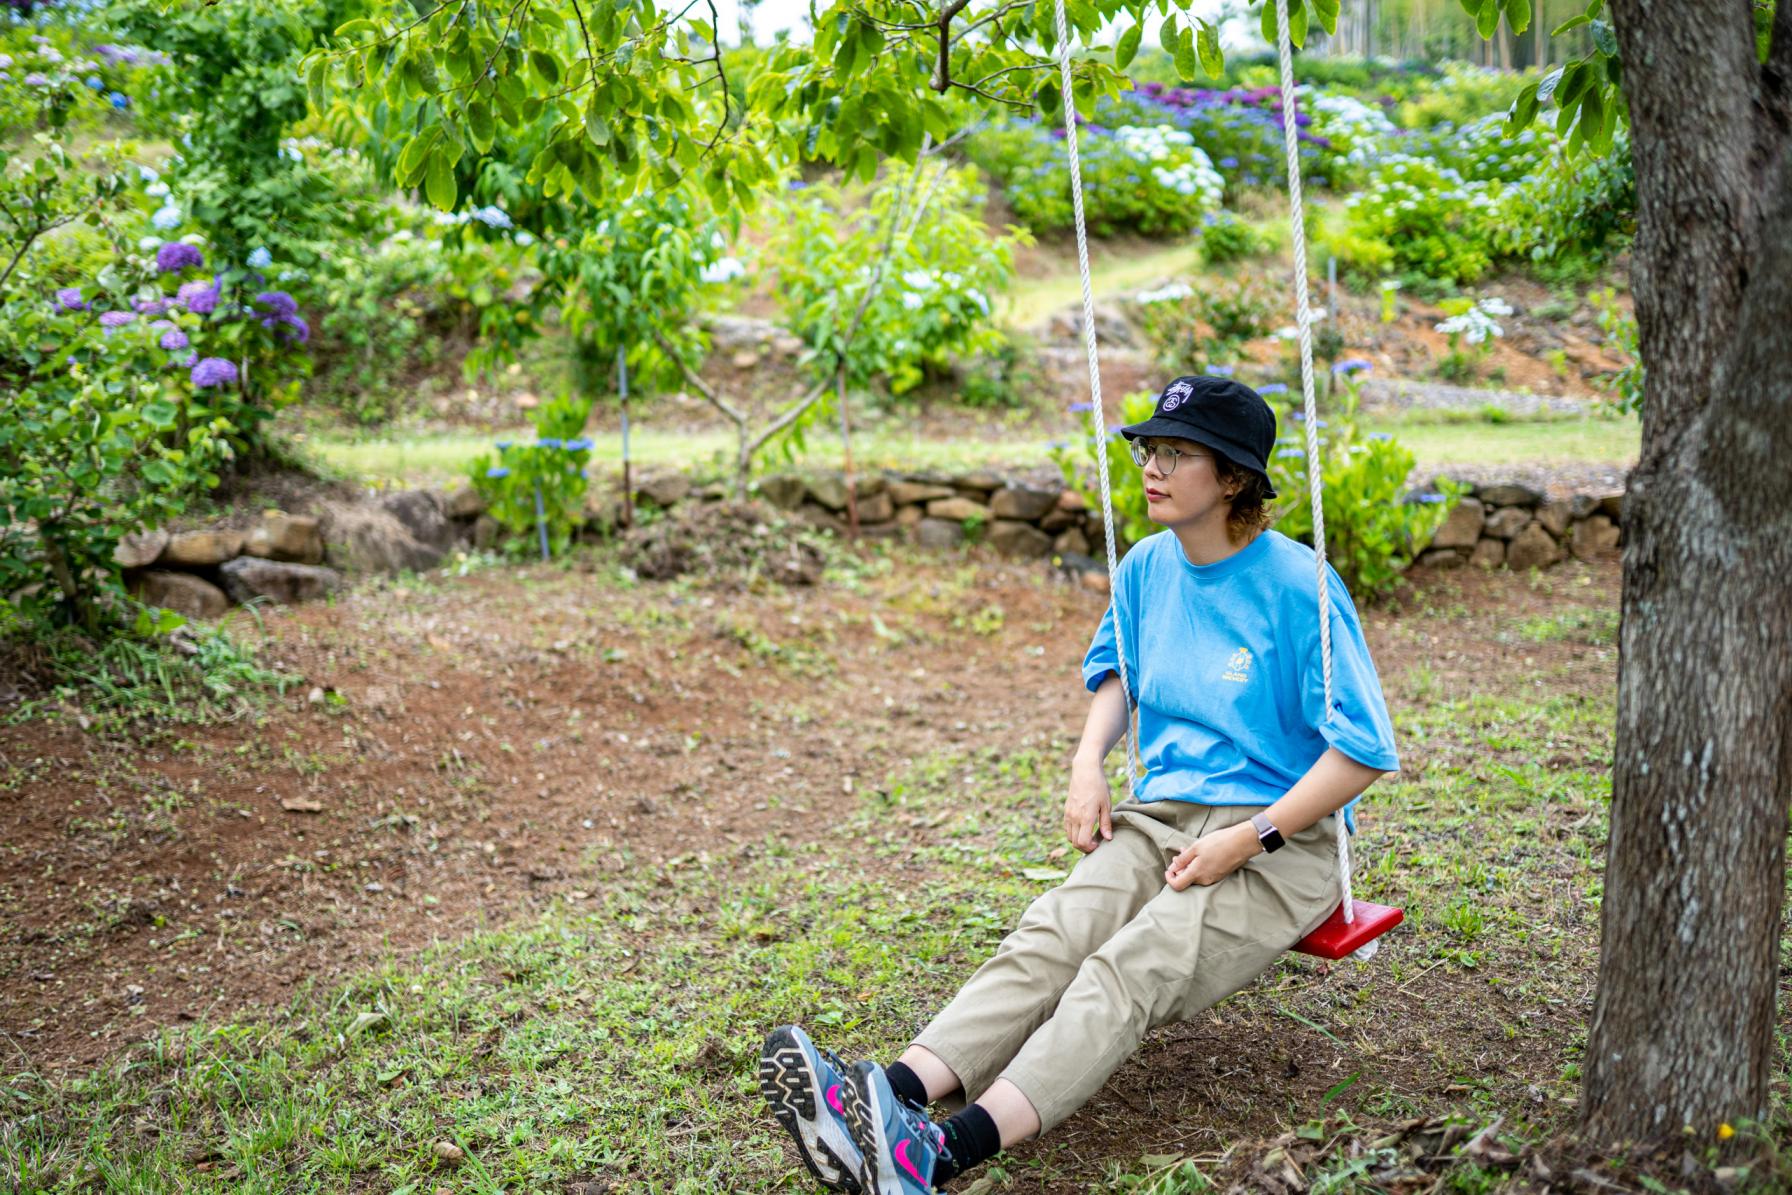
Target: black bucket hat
x=1226, y=416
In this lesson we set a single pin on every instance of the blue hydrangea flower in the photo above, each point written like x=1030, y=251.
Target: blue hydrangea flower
x=1273, y=388
x=260, y=258
x=1288, y=452
x=1221, y=371
x=497, y=471
x=213, y=371
x=1077, y=408
x=167, y=218
x=119, y=100
x=95, y=82
x=1352, y=365
x=503, y=444
x=550, y=442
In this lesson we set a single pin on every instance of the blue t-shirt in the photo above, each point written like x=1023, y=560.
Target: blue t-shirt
x=1225, y=668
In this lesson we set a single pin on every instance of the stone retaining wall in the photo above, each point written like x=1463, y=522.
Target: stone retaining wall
x=288, y=558
x=1514, y=526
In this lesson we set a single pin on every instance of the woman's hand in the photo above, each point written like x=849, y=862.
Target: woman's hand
x=1088, y=809
x=1212, y=857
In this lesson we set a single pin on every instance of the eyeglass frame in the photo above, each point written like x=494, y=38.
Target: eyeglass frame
x=1167, y=455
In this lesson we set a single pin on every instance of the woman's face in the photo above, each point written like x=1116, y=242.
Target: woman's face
x=1189, y=495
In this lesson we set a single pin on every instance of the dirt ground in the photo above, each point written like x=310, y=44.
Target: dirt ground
x=459, y=751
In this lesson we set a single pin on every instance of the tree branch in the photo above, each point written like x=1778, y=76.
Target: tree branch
x=942, y=73
x=690, y=375
x=787, y=418
x=722, y=127
x=997, y=15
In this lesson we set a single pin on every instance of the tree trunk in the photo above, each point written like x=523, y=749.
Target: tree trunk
x=1682, y=1031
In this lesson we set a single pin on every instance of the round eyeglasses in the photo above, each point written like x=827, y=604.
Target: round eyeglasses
x=1144, y=450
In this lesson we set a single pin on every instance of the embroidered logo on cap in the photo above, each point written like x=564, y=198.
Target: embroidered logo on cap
x=1176, y=392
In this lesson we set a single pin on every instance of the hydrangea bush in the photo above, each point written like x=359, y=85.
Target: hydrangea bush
x=1151, y=179
x=536, y=490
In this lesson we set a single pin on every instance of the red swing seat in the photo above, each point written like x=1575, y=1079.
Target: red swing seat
x=1336, y=938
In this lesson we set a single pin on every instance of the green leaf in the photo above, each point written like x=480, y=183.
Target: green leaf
x=315, y=77
x=596, y=127
x=1208, y=46
x=1575, y=78
x=1605, y=38
x=1127, y=47
x=1574, y=22
x=1270, y=27
x=357, y=27
x=1297, y=24
x=546, y=65
x=160, y=413
x=479, y=126
x=1326, y=11
x=1487, y=21
x=1166, y=36
x=1518, y=15
x=414, y=156
x=1186, y=63
x=1523, y=110
x=438, y=180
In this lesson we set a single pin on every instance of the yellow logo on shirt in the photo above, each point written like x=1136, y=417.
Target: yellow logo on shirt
x=1238, y=668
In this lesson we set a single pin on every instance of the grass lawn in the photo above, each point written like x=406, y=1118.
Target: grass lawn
x=439, y=459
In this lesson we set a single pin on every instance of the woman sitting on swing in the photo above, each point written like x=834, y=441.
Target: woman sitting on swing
x=1183, y=896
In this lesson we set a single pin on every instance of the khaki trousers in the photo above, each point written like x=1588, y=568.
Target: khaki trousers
x=1114, y=952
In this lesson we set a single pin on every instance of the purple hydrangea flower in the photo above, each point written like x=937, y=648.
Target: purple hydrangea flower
x=116, y=319
x=69, y=299
x=201, y=298
x=37, y=79
x=1077, y=408
x=1221, y=371
x=1352, y=365
x=174, y=339
x=175, y=256
x=281, y=303
x=213, y=371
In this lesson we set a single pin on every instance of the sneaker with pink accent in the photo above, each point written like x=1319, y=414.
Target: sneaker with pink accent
x=806, y=1090
x=899, y=1144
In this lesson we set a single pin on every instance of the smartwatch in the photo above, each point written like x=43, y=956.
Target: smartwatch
x=1267, y=834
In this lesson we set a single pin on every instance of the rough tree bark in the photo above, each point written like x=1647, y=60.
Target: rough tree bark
x=1682, y=1030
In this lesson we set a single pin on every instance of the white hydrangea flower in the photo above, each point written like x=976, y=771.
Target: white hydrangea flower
x=723, y=269
x=1168, y=293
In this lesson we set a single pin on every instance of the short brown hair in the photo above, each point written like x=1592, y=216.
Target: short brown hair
x=1249, y=515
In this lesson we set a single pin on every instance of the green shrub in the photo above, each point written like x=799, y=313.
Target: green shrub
x=537, y=491
x=1462, y=94
x=936, y=296
x=1373, y=529
x=1228, y=238
x=1619, y=325
x=1192, y=329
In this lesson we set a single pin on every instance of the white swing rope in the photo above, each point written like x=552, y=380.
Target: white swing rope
x=1315, y=478
x=1101, y=422
x=1304, y=322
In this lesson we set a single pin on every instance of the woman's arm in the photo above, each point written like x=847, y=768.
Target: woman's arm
x=1087, y=810
x=1331, y=783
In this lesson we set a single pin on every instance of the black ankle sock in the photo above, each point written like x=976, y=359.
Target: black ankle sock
x=906, y=1084
x=971, y=1139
